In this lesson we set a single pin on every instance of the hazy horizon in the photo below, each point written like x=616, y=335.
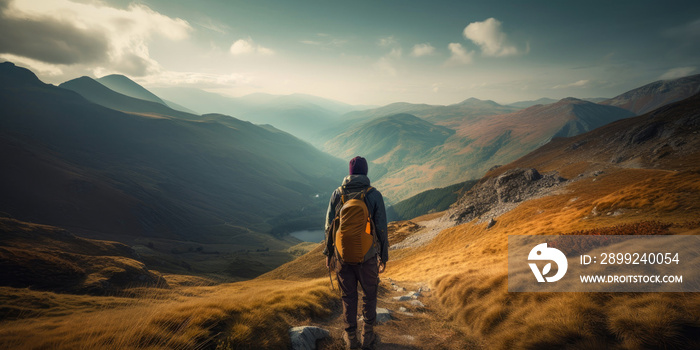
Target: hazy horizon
x=361, y=53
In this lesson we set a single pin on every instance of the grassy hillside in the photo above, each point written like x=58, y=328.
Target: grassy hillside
x=430, y=201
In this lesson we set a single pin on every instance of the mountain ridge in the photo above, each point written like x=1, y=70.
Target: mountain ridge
x=102, y=172
x=98, y=93
x=656, y=94
x=128, y=87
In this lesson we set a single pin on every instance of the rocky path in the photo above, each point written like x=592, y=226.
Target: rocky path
x=408, y=317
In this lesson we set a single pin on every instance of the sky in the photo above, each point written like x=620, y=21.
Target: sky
x=360, y=52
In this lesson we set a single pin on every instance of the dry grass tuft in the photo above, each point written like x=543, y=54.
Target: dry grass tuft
x=252, y=314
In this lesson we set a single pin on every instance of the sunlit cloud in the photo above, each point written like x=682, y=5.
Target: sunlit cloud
x=422, y=50
x=248, y=47
x=324, y=40
x=195, y=79
x=490, y=38
x=459, y=55
x=580, y=83
x=676, y=73
x=70, y=33
x=38, y=67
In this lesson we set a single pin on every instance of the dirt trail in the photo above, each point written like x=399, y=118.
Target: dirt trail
x=418, y=327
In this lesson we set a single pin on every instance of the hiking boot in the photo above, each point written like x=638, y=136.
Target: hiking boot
x=369, y=338
x=351, y=341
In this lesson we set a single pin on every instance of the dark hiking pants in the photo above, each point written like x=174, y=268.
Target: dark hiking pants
x=367, y=273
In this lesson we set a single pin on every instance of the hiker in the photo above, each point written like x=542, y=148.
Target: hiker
x=357, y=248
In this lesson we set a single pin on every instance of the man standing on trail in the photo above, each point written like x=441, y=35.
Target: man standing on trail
x=357, y=248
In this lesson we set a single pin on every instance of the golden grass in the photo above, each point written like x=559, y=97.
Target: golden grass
x=252, y=314
x=467, y=266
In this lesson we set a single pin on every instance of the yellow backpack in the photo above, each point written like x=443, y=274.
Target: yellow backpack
x=354, y=230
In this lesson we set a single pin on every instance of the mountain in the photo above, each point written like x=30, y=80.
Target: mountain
x=467, y=147
x=128, y=87
x=666, y=138
x=304, y=116
x=391, y=143
x=178, y=107
x=443, y=115
x=428, y=202
x=97, y=93
x=654, y=95
x=526, y=104
x=112, y=175
x=449, y=116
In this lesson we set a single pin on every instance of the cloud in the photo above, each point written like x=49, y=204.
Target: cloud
x=247, y=47
x=68, y=33
x=580, y=83
x=38, y=67
x=459, y=54
x=689, y=30
x=386, y=66
x=395, y=53
x=490, y=38
x=194, y=79
x=422, y=50
x=325, y=40
x=676, y=73
x=388, y=41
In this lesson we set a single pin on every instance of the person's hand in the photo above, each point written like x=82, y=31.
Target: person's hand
x=382, y=266
x=328, y=262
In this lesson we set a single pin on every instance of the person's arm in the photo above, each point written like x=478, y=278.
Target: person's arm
x=380, y=226
x=330, y=215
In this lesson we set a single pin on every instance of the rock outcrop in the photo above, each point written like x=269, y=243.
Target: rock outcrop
x=497, y=195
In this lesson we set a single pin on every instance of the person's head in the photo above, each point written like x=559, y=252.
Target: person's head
x=358, y=166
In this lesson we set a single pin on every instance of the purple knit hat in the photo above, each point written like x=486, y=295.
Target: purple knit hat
x=358, y=166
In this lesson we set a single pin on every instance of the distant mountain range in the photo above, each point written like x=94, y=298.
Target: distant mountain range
x=485, y=134
x=444, y=115
x=665, y=138
x=546, y=101
x=465, y=148
x=156, y=173
x=303, y=116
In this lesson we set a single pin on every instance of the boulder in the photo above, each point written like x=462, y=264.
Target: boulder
x=416, y=303
x=383, y=315
x=305, y=337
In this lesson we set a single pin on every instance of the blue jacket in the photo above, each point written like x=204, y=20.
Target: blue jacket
x=375, y=204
